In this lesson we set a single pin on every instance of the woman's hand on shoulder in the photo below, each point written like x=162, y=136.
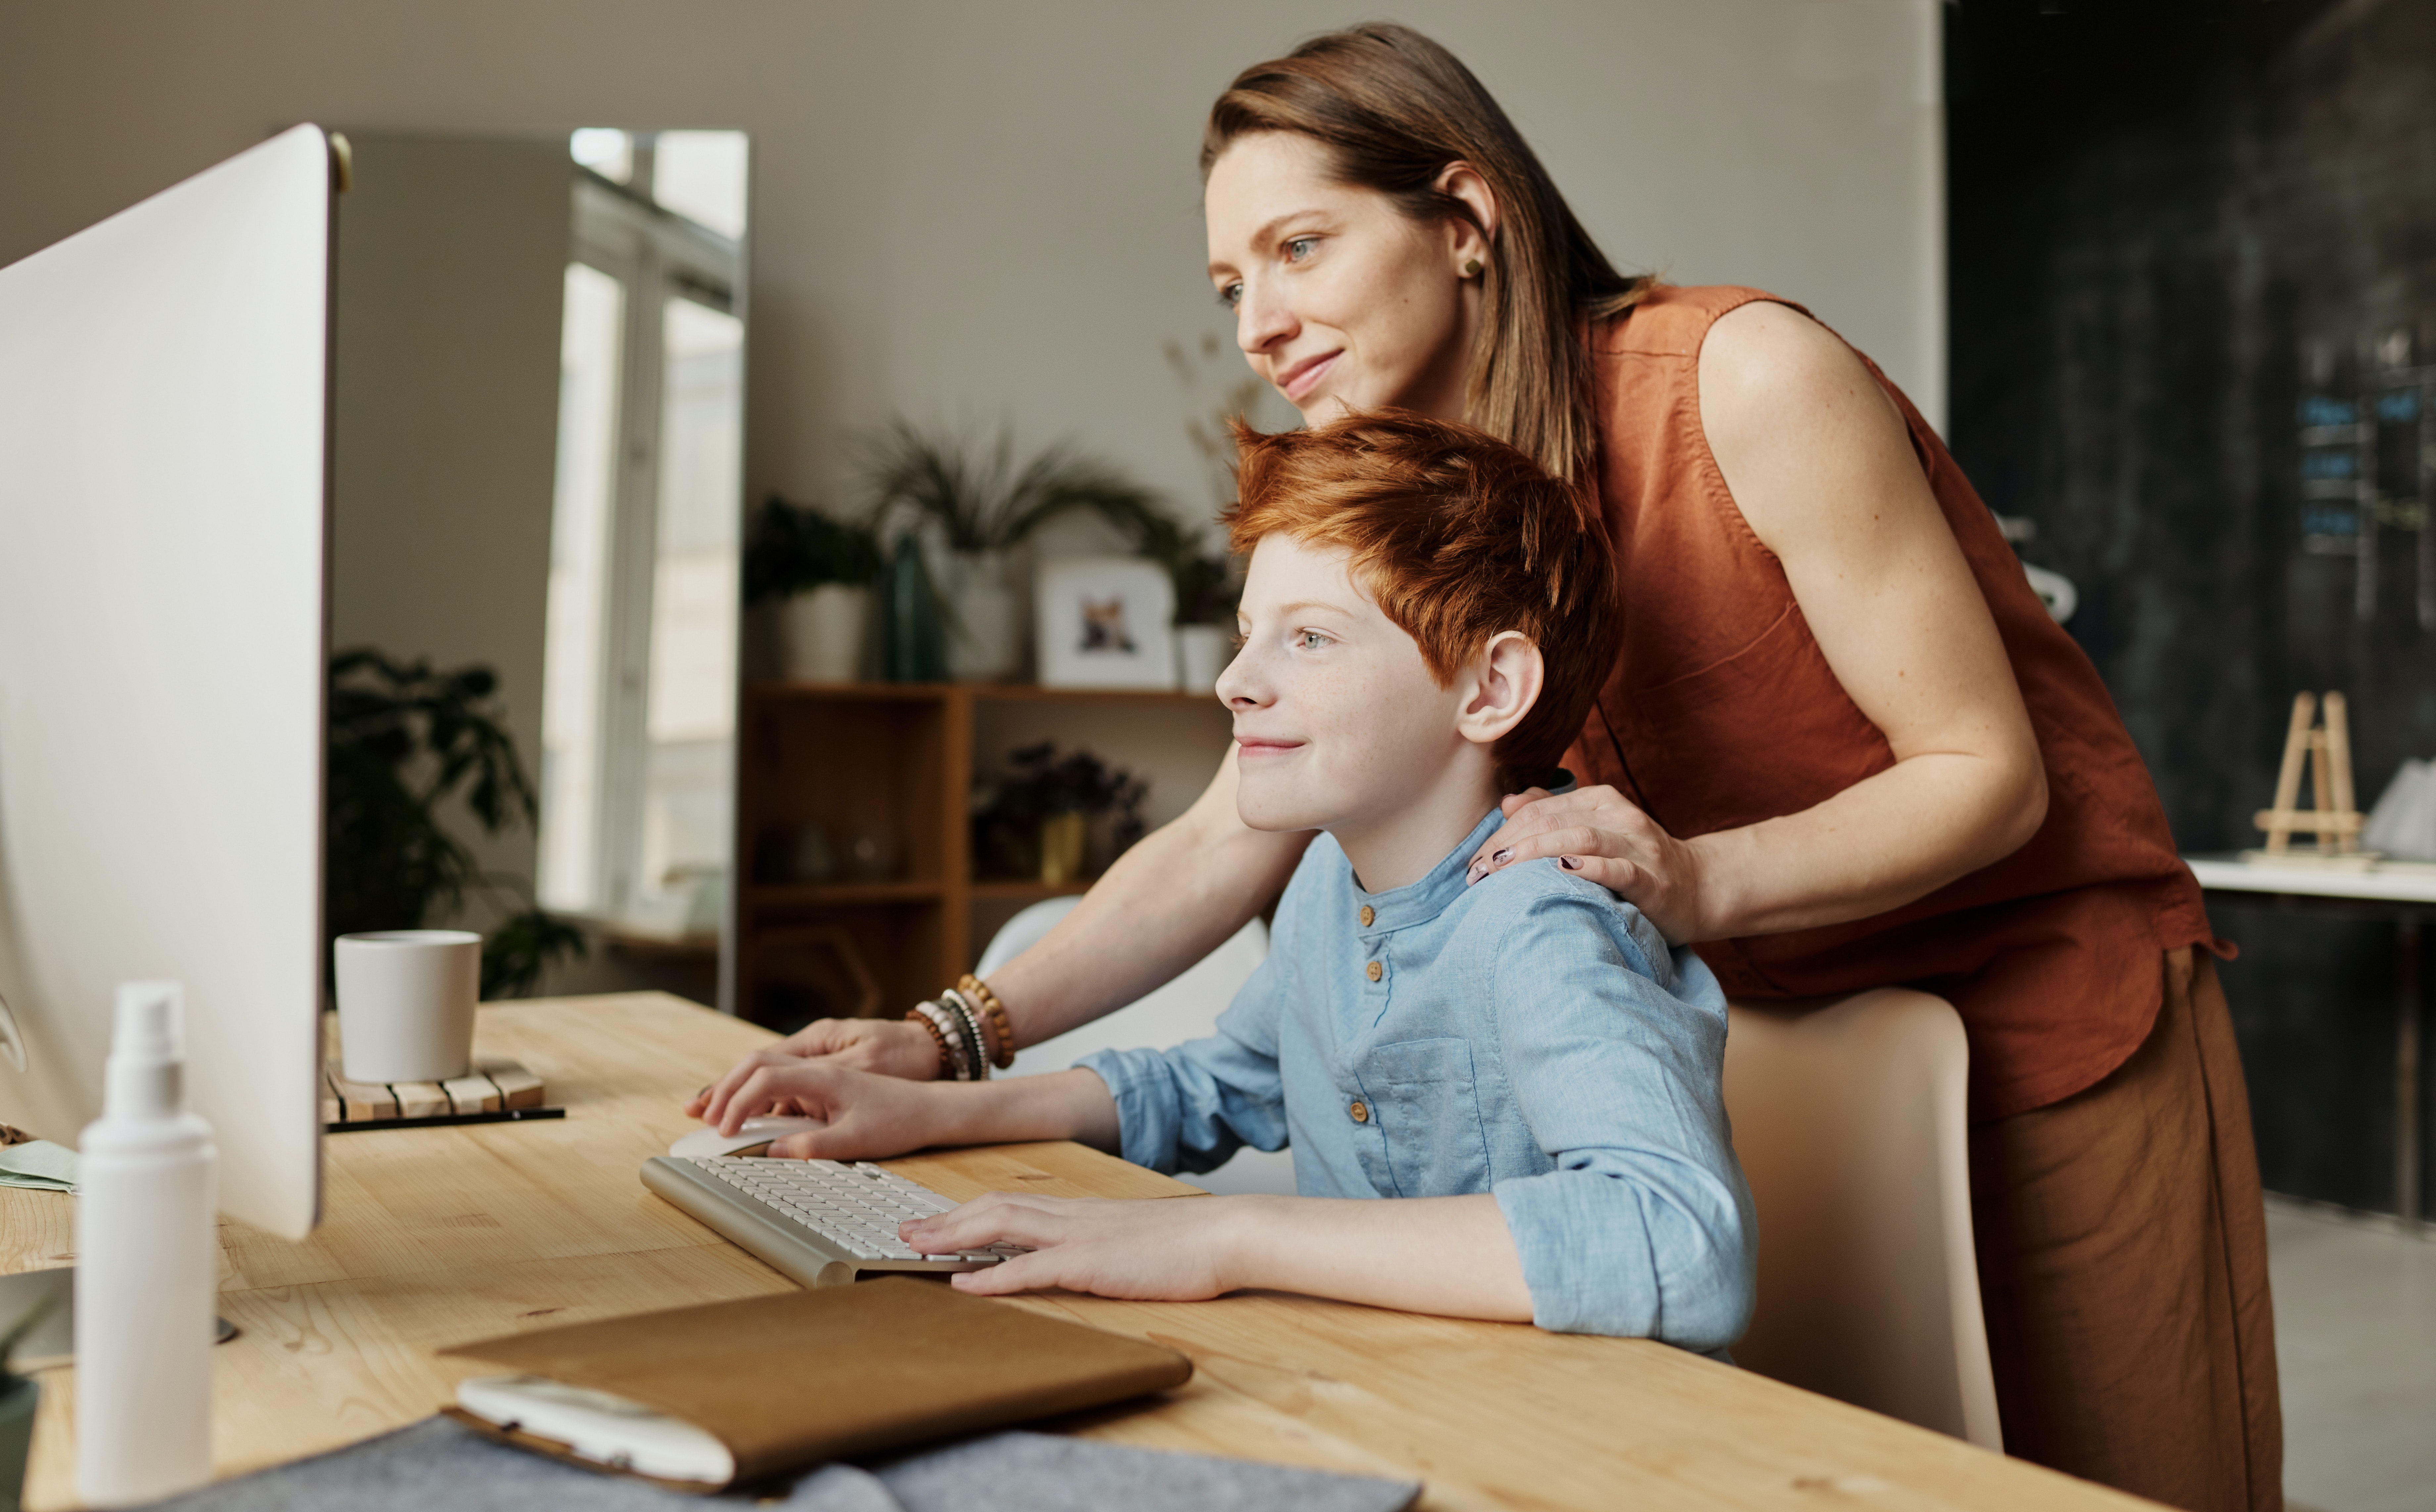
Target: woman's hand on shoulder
x=1599, y=834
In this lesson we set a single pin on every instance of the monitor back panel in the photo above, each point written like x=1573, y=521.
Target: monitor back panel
x=162, y=641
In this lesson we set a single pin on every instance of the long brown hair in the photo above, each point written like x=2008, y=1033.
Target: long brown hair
x=1395, y=109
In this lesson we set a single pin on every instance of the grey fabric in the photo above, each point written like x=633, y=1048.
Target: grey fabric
x=1037, y=1472
x=437, y=1464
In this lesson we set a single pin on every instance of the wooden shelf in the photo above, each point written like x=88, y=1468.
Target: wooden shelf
x=1023, y=890
x=978, y=692
x=840, y=895
x=896, y=759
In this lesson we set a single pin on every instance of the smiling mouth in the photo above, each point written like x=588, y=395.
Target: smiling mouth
x=1246, y=746
x=1298, y=381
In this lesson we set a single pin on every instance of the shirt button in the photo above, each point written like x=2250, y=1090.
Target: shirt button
x=1368, y=916
x=1374, y=971
x=1361, y=1112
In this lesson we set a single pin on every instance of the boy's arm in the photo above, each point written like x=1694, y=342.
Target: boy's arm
x=1447, y=1256
x=1645, y=1226
x=1190, y=1107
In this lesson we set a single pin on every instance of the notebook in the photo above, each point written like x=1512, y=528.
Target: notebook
x=783, y=1382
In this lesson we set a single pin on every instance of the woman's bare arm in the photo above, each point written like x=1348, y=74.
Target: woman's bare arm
x=1818, y=461
x=1163, y=905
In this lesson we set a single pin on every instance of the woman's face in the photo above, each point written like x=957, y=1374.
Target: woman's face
x=1341, y=300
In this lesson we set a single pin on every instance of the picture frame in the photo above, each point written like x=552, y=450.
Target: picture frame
x=1104, y=622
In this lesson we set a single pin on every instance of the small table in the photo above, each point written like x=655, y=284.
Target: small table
x=2405, y=896
x=432, y=1237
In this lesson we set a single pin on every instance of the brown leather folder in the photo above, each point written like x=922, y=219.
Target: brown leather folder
x=790, y=1382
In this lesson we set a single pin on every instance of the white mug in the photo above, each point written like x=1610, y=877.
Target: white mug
x=406, y=1003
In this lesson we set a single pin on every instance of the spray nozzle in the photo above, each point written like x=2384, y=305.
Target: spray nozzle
x=144, y=1076
x=151, y=1025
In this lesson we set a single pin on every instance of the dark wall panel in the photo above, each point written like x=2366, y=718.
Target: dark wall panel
x=2178, y=230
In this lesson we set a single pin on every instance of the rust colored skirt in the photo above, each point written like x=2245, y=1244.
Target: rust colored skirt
x=2123, y=1268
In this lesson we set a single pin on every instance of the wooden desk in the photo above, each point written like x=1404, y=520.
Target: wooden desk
x=2404, y=893
x=435, y=1236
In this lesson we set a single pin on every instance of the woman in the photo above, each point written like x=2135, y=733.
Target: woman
x=1841, y=747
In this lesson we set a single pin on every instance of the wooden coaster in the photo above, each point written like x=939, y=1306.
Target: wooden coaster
x=495, y=1091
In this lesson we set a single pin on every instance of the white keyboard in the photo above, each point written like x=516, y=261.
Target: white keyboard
x=822, y=1221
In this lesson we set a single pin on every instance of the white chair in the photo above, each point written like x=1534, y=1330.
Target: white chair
x=1185, y=1008
x=1849, y=1122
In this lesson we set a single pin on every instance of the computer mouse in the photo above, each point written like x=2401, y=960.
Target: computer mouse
x=751, y=1140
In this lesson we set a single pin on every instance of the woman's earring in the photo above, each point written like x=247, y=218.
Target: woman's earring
x=1471, y=267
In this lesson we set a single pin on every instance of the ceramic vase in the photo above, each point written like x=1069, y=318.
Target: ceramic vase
x=1202, y=652
x=983, y=641
x=822, y=632
x=914, y=649
x=1063, y=838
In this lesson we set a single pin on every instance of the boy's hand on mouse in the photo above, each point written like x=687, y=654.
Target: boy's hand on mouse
x=1170, y=1249
x=867, y=1117
x=891, y=1046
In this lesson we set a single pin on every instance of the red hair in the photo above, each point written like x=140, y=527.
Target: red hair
x=1459, y=538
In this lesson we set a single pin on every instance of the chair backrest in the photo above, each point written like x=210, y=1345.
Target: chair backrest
x=1185, y=1008
x=1849, y=1120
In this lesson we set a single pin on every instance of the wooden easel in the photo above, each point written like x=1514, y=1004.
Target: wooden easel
x=2327, y=750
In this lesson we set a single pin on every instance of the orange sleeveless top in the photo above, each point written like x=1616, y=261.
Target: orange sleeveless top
x=1722, y=711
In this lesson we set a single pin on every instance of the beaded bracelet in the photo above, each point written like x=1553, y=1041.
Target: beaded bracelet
x=978, y=991
x=954, y=1059
x=975, y=1038
x=938, y=1037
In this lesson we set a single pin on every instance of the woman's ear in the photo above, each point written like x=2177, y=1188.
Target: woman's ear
x=1472, y=243
x=1501, y=686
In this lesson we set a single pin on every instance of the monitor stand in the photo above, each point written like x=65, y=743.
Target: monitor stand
x=52, y=1341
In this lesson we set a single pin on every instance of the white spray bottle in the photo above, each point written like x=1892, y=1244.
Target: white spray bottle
x=148, y=1267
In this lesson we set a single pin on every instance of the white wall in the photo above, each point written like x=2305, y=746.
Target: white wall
x=452, y=257
x=968, y=211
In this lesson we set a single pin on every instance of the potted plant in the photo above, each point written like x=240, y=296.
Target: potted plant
x=817, y=572
x=983, y=505
x=1037, y=818
x=19, y=1397
x=405, y=741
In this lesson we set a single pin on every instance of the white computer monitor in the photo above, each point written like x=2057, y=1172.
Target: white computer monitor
x=164, y=572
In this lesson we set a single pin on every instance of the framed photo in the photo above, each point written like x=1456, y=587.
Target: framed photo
x=1104, y=622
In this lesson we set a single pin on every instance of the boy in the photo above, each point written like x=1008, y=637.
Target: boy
x=1523, y=1062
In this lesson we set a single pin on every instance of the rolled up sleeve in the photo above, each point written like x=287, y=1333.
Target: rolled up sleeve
x=1644, y=1228
x=1190, y=1108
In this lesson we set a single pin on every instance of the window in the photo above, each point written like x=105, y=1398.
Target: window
x=639, y=698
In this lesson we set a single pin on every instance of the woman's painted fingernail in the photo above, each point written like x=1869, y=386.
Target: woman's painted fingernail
x=1571, y=863
x=1499, y=858
x=1479, y=870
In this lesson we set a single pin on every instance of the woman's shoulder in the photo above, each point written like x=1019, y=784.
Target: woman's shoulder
x=1673, y=320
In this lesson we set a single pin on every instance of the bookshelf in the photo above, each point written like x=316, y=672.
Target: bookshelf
x=893, y=763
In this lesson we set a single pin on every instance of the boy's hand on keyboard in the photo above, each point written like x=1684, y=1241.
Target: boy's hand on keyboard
x=1170, y=1249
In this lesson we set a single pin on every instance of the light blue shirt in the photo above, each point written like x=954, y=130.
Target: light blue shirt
x=1531, y=1037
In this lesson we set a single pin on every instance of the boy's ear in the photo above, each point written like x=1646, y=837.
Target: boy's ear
x=1500, y=687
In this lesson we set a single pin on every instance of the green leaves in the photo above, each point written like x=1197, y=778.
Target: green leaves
x=404, y=740
x=794, y=548
x=984, y=502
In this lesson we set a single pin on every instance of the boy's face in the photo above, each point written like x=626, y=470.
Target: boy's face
x=1338, y=721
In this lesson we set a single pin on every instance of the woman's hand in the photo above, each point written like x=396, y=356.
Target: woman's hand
x=886, y=1047
x=1597, y=833
x=866, y=1117
x=1164, y=1249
